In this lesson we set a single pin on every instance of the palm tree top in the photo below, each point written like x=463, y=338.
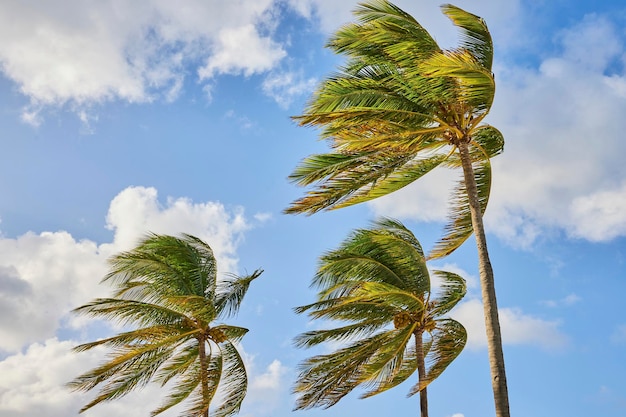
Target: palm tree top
x=167, y=290
x=399, y=107
x=376, y=288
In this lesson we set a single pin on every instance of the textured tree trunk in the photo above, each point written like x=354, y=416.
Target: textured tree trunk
x=204, y=373
x=487, y=285
x=421, y=372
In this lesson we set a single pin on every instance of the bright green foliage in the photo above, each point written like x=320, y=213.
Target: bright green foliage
x=167, y=289
x=378, y=285
x=397, y=109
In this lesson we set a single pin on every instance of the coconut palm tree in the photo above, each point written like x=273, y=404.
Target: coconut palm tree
x=400, y=107
x=167, y=289
x=378, y=285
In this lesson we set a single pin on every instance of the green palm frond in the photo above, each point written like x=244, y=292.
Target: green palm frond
x=124, y=312
x=324, y=379
x=185, y=386
x=453, y=289
x=167, y=289
x=234, y=383
x=385, y=368
x=475, y=36
x=459, y=226
x=363, y=328
x=448, y=340
x=475, y=83
x=231, y=292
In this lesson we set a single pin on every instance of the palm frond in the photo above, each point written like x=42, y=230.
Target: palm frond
x=361, y=177
x=188, y=367
x=325, y=379
x=476, y=85
x=364, y=328
x=126, y=312
x=452, y=290
x=234, y=383
x=459, y=227
x=475, y=35
x=230, y=293
x=448, y=340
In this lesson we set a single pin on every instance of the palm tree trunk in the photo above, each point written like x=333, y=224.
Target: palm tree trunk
x=421, y=372
x=204, y=373
x=490, y=306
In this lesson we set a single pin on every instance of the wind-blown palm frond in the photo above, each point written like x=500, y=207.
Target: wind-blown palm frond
x=460, y=226
x=448, y=340
x=167, y=288
x=377, y=285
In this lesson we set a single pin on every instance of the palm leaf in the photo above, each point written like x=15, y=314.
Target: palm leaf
x=453, y=289
x=459, y=226
x=234, y=383
x=448, y=341
x=475, y=35
x=231, y=292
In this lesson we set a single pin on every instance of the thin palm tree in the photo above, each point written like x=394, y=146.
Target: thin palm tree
x=400, y=107
x=378, y=285
x=167, y=289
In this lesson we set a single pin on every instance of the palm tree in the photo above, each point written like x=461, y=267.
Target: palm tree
x=378, y=284
x=167, y=288
x=400, y=107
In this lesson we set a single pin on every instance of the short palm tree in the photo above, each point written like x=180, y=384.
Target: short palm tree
x=378, y=284
x=400, y=107
x=167, y=289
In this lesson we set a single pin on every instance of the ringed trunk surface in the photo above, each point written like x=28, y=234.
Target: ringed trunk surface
x=487, y=285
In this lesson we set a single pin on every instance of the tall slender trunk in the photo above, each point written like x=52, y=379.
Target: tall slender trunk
x=421, y=372
x=204, y=373
x=487, y=285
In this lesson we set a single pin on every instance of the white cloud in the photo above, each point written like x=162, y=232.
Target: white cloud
x=517, y=327
x=86, y=52
x=566, y=301
x=283, y=87
x=266, y=389
x=45, y=275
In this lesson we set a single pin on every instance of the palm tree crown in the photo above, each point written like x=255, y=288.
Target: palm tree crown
x=378, y=284
x=400, y=107
x=167, y=288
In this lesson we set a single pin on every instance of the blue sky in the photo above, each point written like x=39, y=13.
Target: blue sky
x=125, y=117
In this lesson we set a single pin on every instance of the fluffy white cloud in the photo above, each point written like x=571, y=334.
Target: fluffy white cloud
x=45, y=275
x=517, y=327
x=283, y=87
x=266, y=389
x=83, y=52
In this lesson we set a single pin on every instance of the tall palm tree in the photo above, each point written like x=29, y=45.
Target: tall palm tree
x=400, y=107
x=378, y=284
x=167, y=288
